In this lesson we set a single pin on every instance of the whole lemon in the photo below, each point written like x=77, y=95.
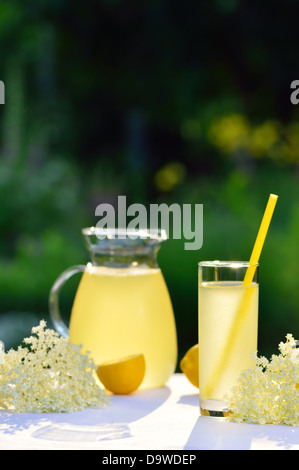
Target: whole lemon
x=189, y=365
x=122, y=376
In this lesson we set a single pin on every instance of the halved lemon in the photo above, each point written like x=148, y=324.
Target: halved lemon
x=190, y=365
x=122, y=376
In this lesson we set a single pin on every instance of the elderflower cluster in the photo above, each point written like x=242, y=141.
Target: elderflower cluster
x=269, y=392
x=50, y=374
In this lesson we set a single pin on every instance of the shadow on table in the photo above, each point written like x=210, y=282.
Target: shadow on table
x=191, y=399
x=219, y=434
x=92, y=424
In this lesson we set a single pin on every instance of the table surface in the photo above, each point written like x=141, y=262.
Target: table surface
x=161, y=419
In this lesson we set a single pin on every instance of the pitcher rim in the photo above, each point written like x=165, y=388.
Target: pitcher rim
x=152, y=234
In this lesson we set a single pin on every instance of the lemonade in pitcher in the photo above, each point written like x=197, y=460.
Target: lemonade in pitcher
x=122, y=306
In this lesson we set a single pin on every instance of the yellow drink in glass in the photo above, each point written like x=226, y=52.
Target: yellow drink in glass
x=123, y=311
x=228, y=323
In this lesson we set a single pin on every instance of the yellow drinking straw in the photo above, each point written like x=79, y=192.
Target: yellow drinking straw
x=244, y=305
x=260, y=239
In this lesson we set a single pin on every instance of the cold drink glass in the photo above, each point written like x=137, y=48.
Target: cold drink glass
x=228, y=322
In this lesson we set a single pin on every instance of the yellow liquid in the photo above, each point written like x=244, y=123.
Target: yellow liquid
x=123, y=311
x=225, y=350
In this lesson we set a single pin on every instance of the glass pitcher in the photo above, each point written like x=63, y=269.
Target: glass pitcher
x=122, y=305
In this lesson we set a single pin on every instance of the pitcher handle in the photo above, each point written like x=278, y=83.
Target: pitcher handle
x=55, y=315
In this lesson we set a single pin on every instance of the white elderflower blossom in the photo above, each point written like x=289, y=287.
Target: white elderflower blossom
x=269, y=392
x=50, y=374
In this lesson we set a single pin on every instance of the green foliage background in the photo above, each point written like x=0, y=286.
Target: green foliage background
x=161, y=101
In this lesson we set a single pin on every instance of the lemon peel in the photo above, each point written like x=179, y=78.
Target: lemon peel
x=122, y=376
x=189, y=365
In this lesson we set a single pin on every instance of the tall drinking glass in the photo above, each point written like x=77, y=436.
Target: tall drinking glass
x=228, y=322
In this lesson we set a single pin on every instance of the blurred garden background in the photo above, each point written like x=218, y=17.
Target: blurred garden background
x=161, y=101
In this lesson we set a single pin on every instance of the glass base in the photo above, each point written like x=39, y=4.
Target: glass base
x=214, y=408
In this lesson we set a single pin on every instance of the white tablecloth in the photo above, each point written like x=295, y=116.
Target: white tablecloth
x=162, y=419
